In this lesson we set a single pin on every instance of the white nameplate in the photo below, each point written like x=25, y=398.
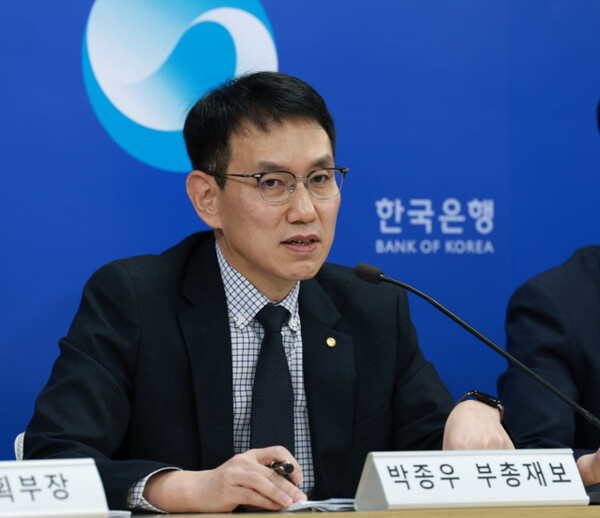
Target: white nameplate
x=55, y=487
x=434, y=479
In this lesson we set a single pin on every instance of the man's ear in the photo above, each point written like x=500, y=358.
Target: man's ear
x=203, y=191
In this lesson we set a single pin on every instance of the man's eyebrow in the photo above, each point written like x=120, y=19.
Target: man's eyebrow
x=268, y=165
x=324, y=161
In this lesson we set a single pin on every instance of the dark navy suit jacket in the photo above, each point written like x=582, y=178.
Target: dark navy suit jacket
x=144, y=375
x=553, y=327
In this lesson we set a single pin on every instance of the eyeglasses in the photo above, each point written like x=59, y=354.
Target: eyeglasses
x=278, y=186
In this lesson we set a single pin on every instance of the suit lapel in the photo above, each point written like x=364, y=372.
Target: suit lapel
x=329, y=379
x=205, y=329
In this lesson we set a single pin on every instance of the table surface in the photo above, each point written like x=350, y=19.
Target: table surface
x=474, y=512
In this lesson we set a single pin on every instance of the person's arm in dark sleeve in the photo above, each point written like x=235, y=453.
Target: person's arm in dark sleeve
x=538, y=334
x=84, y=409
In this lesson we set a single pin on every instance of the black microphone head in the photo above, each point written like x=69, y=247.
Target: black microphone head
x=368, y=272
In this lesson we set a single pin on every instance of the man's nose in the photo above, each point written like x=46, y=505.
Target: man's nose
x=302, y=206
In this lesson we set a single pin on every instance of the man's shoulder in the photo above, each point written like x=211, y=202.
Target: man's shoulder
x=338, y=278
x=586, y=257
x=585, y=261
x=176, y=254
x=337, y=274
x=166, y=268
x=332, y=270
x=578, y=276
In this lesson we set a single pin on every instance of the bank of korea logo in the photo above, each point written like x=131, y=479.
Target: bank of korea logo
x=146, y=62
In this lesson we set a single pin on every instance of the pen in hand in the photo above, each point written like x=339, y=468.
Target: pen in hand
x=283, y=467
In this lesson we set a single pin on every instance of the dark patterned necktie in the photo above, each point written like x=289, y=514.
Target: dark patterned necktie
x=272, y=418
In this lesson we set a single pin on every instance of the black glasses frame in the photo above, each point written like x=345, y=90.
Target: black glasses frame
x=258, y=177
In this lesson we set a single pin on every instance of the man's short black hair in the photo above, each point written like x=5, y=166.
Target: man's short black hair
x=260, y=99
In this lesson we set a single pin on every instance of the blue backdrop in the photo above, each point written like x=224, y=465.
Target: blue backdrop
x=469, y=128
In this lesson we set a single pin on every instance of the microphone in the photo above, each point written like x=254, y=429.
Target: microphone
x=375, y=275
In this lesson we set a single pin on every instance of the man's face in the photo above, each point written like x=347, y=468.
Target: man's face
x=276, y=244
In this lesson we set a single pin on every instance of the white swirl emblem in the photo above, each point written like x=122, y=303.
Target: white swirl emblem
x=145, y=63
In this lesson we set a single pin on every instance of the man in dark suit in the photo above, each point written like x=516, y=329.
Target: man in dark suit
x=155, y=377
x=553, y=327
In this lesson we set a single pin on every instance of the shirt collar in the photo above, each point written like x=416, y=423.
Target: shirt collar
x=244, y=300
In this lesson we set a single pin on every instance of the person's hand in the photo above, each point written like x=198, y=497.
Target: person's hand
x=473, y=425
x=244, y=479
x=589, y=468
